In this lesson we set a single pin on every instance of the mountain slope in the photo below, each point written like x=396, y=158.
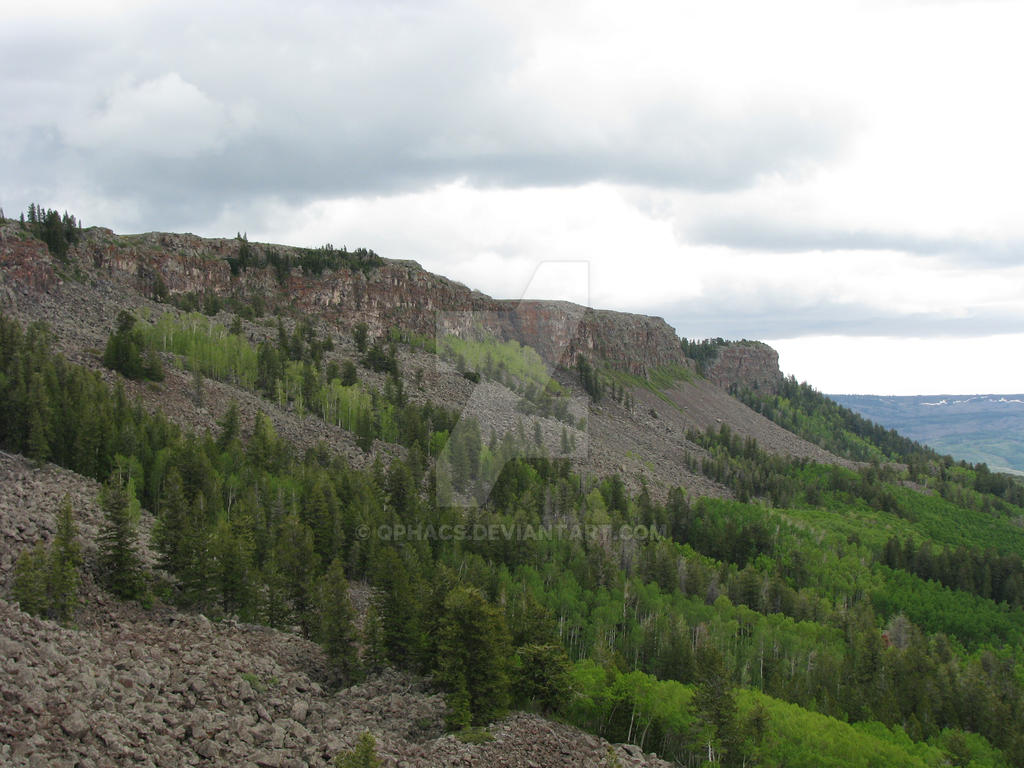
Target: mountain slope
x=108, y=273
x=975, y=428
x=534, y=506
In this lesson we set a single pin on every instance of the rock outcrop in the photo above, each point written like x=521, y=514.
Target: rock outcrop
x=745, y=365
x=392, y=294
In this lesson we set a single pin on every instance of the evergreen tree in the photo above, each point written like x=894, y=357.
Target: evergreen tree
x=29, y=586
x=170, y=525
x=473, y=652
x=374, y=652
x=274, y=609
x=64, y=560
x=359, y=335
x=229, y=426
x=196, y=575
x=336, y=632
x=458, y=710
x=349, y=374
x=716, y=707
x=541, y=676
x=231, y=571
x=120, y=564
x=39, y=421
x=396, y=608
x=297, y=560
x=364, y=755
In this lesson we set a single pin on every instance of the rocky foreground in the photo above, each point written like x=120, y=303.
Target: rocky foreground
x=157, y=687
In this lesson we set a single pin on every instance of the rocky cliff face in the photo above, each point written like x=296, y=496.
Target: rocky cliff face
x=746, y=365
x=24, y=266
x=397, y=293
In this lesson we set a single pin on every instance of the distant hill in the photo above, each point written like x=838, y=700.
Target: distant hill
x=977, y=428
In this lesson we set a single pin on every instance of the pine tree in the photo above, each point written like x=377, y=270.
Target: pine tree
x=274, y=609
x=364, y=755
x=38, y=444
x=64, y=560
x=396, y=607
x=473, y=652
x=229, y=426
x=374, y=653
x=349, y=374
x=542, y=676
x=39, y=417
x=359, y=336
x=29, y=585
x=196, y=575
x=458, y=711
x=231, y=571
x=170, y=524
x=120, y=564
x=336, y=632
x=297, y=559
x=716, y=707
x=320, y=512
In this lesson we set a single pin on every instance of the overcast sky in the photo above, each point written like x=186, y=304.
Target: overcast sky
x=841, y=180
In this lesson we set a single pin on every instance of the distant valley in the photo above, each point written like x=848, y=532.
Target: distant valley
x=977, y=428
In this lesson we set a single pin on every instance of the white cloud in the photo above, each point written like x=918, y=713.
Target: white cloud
x=164, y=117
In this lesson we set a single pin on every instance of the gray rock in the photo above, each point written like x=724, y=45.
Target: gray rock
x=268, y=759
x=299, y=711
x=75, y=725
x=208, y=749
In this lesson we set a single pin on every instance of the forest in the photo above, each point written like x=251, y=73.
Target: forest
x=825, y=616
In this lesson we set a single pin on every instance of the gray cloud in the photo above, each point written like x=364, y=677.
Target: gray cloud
x=356, y=99
x=776, y=317
x=759, y=234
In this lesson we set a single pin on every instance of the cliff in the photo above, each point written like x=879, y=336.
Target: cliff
x=383, y=294
x=745, y=365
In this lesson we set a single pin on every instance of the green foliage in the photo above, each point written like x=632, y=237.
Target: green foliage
x=703, y=352
x=834, y=649
x=336, y=630
x=208, y=346
x=123, y=352
x=360, y=335
x=311, y=261
x=349, y=375
x=120, y=562
x=30, y=588
x=805, y=411
x=476, y=736
x=473, y=654
x=508, y=362
x=64, y=561
x=541, y=676
x=516, y=366
x=363, y=755
x=59, y=232
x=46, y=579
x=589, y=379
x=290, y=373
x=374, y=653
x=715, y=706
x=381, y=360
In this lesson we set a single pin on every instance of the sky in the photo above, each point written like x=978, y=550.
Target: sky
x=841, y=180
